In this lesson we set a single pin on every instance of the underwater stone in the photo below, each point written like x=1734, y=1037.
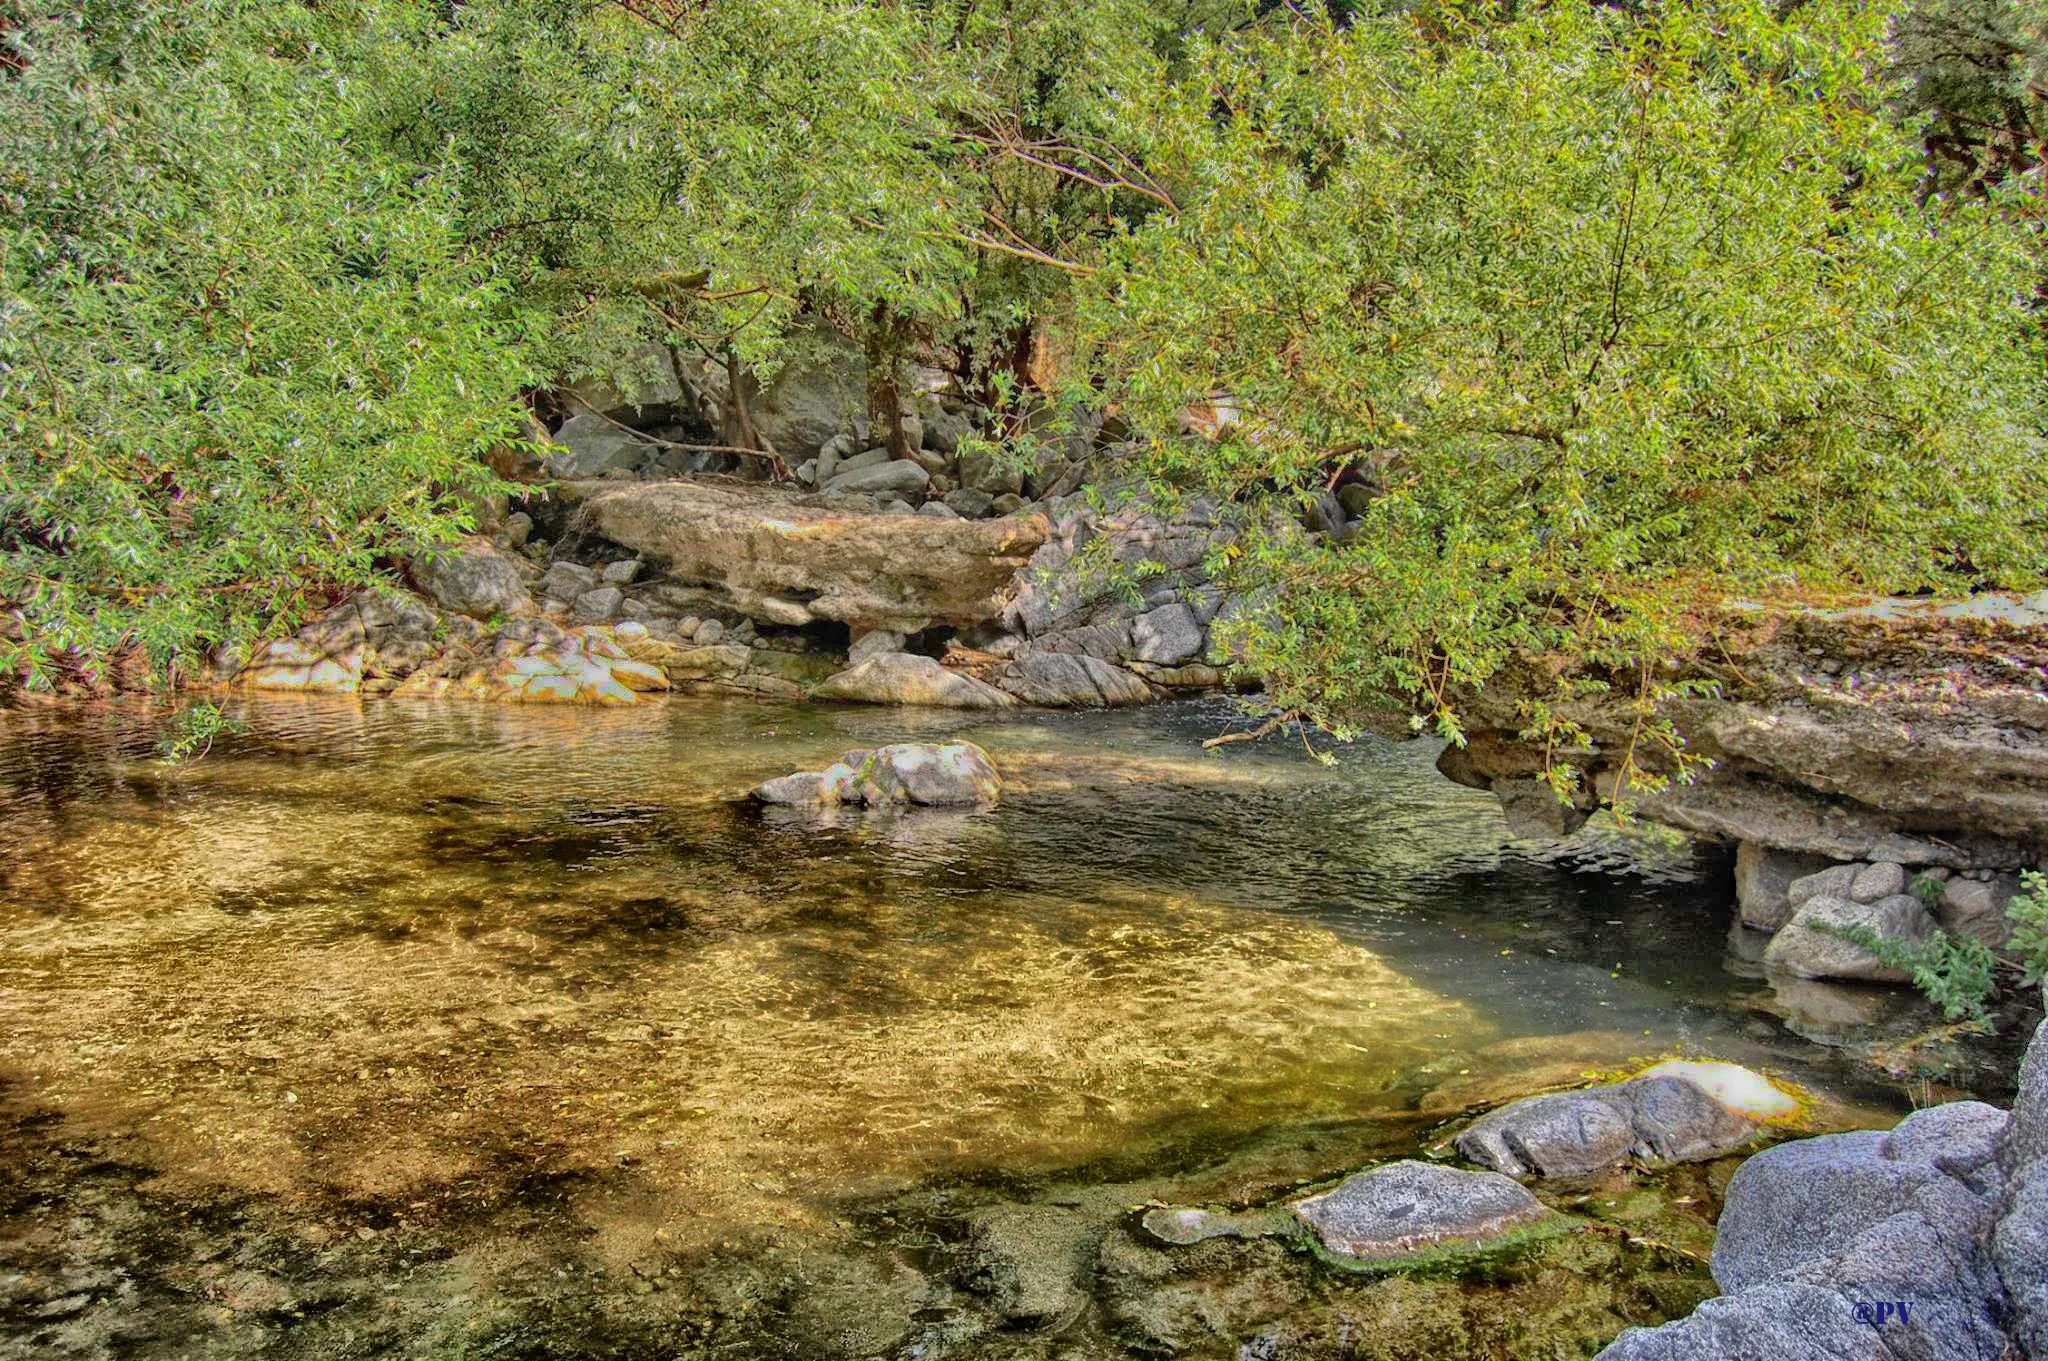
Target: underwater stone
x=1406, y=1208
x=909, y=772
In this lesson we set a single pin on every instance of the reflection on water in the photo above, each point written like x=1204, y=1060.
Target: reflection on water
x=408, y=954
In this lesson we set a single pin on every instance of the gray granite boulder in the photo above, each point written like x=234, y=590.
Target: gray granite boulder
x=958, y=773
x=1071, y=680
x=1656, y=1118
x=589, y=445
x=1814, y=944
x=905, y=678
x=1409, y=1207
x=1763, y=880
x=473, y=579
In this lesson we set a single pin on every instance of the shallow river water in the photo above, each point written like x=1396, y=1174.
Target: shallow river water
x=394, y=1029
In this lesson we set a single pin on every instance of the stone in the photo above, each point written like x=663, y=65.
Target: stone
x=595, y=607
x=473, y=579
x=1811, y=944
x=709, y=633
x=1186, y=1225
x=1533, y=810
x=2027, y=1142
x=1407, y=1208
x=590, y=446
x=873, y=643
x=1030, y=1261
x=2019, y=1251
x=622, y=573
x=1066, y=680
x=938, y=510
x=1976, y=908
x=1167, y=635
x=905, y=678
x=970, y=502
x=927, y=774
x=1833, y=882
x=1009, y=504
x=819, y=391
x=1961, y=1138
x=1676, y=1112
x=772, y=553
x=1763, y=882
x=517, y=529
x=898, y=475
x=1881, y=880
x=567, y=580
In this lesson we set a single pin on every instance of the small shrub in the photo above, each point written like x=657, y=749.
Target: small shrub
x=1957, y=973
x=2028, y=912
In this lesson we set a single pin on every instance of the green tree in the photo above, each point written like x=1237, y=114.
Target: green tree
x=1612, y=316
x=243, y=356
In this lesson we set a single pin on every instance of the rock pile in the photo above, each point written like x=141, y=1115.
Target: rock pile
x=1930, y=1240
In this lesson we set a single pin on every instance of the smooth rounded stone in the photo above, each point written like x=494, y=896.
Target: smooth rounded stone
x=1811, y=944
x=599, y=605
x=1406, y=1208
x=898, y=508
x=1763, y=881
x=874, y=643
x=1071, y=680
x=687, y=626
x=1962, y=1138
x=952, y=773
x=516, y=530
x=1976, y=908
x=1677, y=1112
x=970, y=503
x=896, y=475
x=632, y=631
x=589, y=446
x=1185, y=1225
x=1833, y=882
x=567, y=580
x=1567, y=1134
x=905, y=678
x=710, y=633
x=938, y=510
x=472, y=578
x=1009, y=503
x=1881, y=880
x=1168, y=635
x=621, y=573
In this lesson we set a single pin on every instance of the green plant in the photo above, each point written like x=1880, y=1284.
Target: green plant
x=191, y=732
x=1927, y=889
x=2027, y=910
x=1957, y=973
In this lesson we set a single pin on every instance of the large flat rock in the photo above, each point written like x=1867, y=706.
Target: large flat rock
x=785, y=558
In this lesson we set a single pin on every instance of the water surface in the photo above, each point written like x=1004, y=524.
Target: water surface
x=379, y=966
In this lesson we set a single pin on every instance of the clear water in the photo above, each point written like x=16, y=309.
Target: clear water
x=374, y=963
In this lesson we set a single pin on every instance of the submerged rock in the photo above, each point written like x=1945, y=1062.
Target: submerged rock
x=1407, y=1208
x=909, y=772
x=1676, y=1112
x=1031, y=1261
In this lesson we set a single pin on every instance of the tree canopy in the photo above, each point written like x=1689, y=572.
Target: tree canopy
x=1603, y=310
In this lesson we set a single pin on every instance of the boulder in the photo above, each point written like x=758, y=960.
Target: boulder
x=786, y=558
x=1976, y=908
x=473, y=579
x=1167, y=635
x=1881, y=880
x=1833, y=882
x=955, y=773
x=874, y=643
x=1929, y=1240
x=1066, y=680
x=905, y=678
x=1812, y=945
x=1406, y=1208
x=1763, y=882
x=1676, y=1112
x=820, y=391
x=897, y=475
x=595, y=607
x=567, y=580
x=589, y=445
